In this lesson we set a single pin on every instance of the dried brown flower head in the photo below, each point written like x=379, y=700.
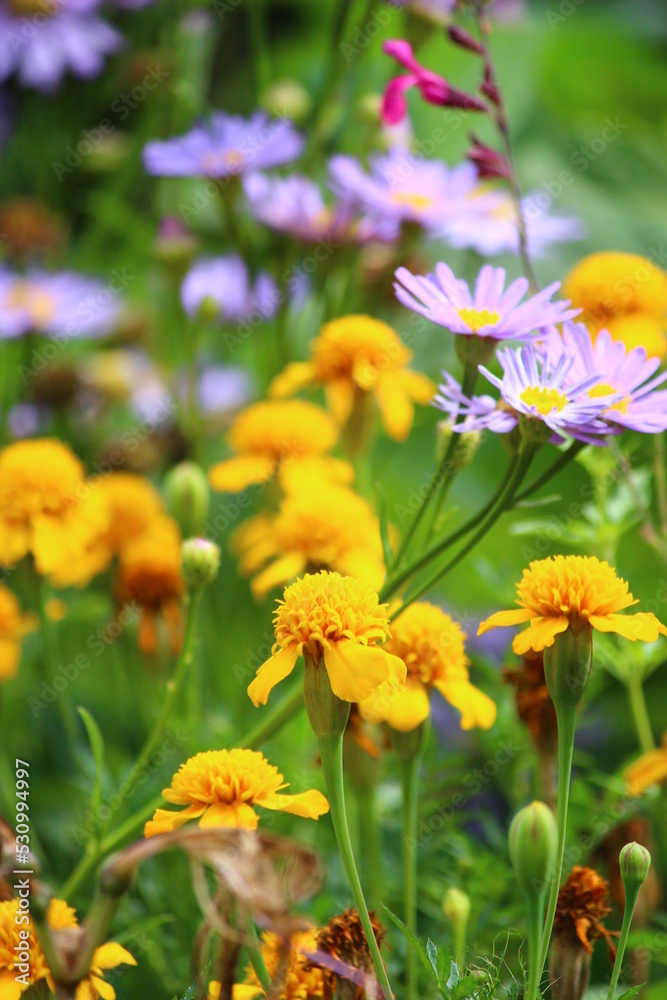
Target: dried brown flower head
x=30, y=229
x=533, y=702
x=583, y=902
x=343, y=955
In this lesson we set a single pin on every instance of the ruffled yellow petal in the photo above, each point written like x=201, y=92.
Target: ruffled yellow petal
x=396, y=407
x=476, y=708
x=502, y=619
x=411, y=707
x=310, y=805
x=275, y=670
x=281, y=571
x=418, y=386
x=109, y=955
x=166, y=820
x=643, y=625
x=649, y=770
x=14, y=541
x=295, y=376
x=86, y=991
x=540, y=633
x=236, y=474
x=355, y=670
x=300, y=474
x=230, y=814
x=340, y=399
x=240, y=991
x=377, y=706
x=9, y=988
x=364, y=565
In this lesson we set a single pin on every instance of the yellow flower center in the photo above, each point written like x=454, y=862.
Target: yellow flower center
x=322, y=608
x=225, y=776
x=621, y=406
x=230, y=161
x=28, y=8
x=601, y=389
x=282, y=430
x=359, y=348
x=39, y=304
x=477, y=318
x=544, y=400
x=411, y=199
x=574, y=586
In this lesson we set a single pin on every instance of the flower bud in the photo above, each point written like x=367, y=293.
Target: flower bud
x=188, y=495
x=456, y=907
x=201, y=562
x=174, y=246
x=533, y=845
x=287, y=99
x=466, y=445
x=635, y=862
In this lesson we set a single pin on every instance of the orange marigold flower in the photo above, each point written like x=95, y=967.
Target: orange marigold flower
x=573, y=592
x=133, y=504
x=625, y=294
x=13, y=626
x=358, y=355
x=300, y=980
x=47, y=508
x=324, y=527
x=279, y=437
x=650, y=769
x=339, y=621
x=149, y=574
x=221, y=788
x=432, y=646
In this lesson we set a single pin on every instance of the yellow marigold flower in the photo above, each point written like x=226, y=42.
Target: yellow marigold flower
x=13, y=626
x=625, y=294
x=572, y=592
x=133, y=504
x=276, y=437
x=356, y=355
x=650, y=769
x=335, y=619
x=59, y=916
x=325, y=527
x=432, y=646
x=149, y=574
x=47, y=508
x=221, y=788
x=302, y=981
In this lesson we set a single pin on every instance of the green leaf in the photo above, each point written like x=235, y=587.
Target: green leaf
x=384, y=526
x=632, y=992
x=414, y=943
x=453, y=979
x=97, y=746
x=467, y=987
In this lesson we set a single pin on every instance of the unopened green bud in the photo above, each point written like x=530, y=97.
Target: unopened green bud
x=287, y=99
x=533, y=840
x=635, y=862
x=368, y=109
x=456, y=906
x=201, y=562
x=188, y=495
x=467, y=444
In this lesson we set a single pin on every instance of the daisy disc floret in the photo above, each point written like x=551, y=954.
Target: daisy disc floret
x=222, y=787
x=576, y=593
x=489, y=311
x=338, y=622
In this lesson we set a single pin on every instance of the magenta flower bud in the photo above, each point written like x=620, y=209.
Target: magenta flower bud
x=465, y=40
x=488, y=161
x=489, y=87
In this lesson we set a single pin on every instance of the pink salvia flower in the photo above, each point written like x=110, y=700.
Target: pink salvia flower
x=434, y=89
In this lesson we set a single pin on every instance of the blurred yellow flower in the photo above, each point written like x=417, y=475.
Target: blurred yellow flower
x=13, y=626
x=650, y=769
x=625, y=294
x=573, y=592
x=324, y=527
x=221, y=788
x=335, y=619
x=48, y=508
x=432, y=647
x=277, y=437
x=358, y=355
x=149, y=574
x=300, y=980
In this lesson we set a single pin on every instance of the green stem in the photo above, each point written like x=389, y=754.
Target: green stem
x=503, y=503
x=660, y=475
x=567, y=717
x=274, y=720
x=443, y=477
x=260, y=49
x=635, y=689
x=50, y=638
x=631, y=893
x=564, y=459
x=371, y=846
x=331, y=753
x=534, y=918
x=255, y=955
x=410, y=776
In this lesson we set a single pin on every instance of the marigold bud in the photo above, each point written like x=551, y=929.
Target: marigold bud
x=456, y=906
x=635, y=862
x=201, y=562
x=188, y=496
x=467, y=444
x=532, y=844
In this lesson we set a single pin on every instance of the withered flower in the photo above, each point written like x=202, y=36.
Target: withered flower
x=343, y=955
x=583, y=903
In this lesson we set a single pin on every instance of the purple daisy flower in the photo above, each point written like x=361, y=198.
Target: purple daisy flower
x=401, y=188
x=294, y=205
x=473, y=413
x=63, y=304
x=224, y=282
x=487, y=223
x=224, y=146
x=624, y=378
x=60, y=37
x=490, y=312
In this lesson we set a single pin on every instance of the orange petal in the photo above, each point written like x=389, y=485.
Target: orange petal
x=236, y=474
x=295, y=376
x=540, y=633
x=356, y=670
x=476, y=708
x=109, y=955
x=643, y=625
x=276, y=669
x=418, y=386
x=279, y=572
x=340, y=398
x=230, y=814
x=411, y=707
x=503, y=619
x=396, y=407
x=311, y=804
x=650, y=769
x=166, y=820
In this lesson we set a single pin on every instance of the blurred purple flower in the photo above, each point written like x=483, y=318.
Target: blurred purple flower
x=225, y=146
x=401, y=188
x=63, y=304
x=223, y=388
x=294, y=205
x=224, y=283
x=61, y=36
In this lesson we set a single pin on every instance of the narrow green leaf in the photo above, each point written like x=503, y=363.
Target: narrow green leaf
x=413, y=942
x=384, y=526
x=632, y=992
x=432, y=952
x=97, y=746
